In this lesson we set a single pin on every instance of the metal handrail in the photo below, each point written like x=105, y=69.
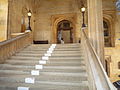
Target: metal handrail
x=101, y=78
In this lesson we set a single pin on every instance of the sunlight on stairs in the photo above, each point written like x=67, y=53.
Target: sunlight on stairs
x=65, y=69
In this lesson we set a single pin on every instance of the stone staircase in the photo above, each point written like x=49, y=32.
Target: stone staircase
x=65, y=69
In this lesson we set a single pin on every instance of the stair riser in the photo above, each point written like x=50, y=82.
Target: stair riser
x=51, y=58
x=32, y=64
x=65, y=69
x=54, y=55
x=47, y=62
x=14, y=86
x=21, y=78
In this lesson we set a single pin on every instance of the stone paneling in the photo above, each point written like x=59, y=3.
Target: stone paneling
x=3, y=19
x=109, y=4
x=43, y=12
x=45, y=9
x=115, y=58
x=111, y=15
x=17, y=13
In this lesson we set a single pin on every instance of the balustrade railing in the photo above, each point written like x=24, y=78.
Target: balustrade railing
x=97, y=75
x=10, y=47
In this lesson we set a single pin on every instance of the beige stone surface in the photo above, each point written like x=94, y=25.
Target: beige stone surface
x=113, y=19
x=108, y=4
x=115, y=58
x=18, y=14
x=3, y=19
x=46, y=9
x=47, y=13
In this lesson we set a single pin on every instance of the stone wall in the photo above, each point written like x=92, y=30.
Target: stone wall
x=18, y=15
x=114, y=19
x=3, y=19
x=114, y=52
x=46, y=9
x=47, y=13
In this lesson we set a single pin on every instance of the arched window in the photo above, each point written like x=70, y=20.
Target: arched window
x=107, y=35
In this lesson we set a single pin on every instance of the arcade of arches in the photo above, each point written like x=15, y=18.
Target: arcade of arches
x=55, y=19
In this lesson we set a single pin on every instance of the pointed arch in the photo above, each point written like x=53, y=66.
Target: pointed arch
x=58, y=18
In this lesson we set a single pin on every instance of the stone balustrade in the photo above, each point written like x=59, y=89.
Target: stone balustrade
x=97, y=75
x=10, y=47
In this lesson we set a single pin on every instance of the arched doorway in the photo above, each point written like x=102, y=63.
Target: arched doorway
x=64, y=32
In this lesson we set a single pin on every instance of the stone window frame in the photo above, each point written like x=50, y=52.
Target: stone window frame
x=108, y=17
x=107, y=34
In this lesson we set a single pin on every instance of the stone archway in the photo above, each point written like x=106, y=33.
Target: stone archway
x=111, y=26
x=56, y=19
x=65, y=31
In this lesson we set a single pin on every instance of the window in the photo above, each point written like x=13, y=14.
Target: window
x=107, y=36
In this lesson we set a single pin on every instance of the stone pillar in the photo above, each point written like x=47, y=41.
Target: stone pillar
x=95, y=27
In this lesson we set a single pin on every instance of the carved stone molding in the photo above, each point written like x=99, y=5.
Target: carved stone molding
x=59, y=17
x=109, y=17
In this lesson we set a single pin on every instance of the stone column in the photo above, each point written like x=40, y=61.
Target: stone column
x=95, y=27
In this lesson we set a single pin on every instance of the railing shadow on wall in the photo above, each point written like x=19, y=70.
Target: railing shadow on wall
x=10, y=47
x=98, y=79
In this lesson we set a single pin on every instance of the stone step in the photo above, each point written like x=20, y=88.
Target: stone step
x=73, y=44
x=37, y=86
x=69, y=52
x=52, y=64
x=50, y=60
x=25, y=58
x=29, y=55
x=26, y=72
x=43, y=78
x=42, y=49
x=33, y=52
x=46, y=68
x=65, y=69
x=60, y=47
x=37, y=47
x=48, y=64
x=9, y=72
x=53, y=55
x=33, y=49
x=67, y=57
x=39, y=58
x=59, y=50
x=54, y=52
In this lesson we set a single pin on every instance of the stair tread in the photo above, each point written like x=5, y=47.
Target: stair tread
x=36, y=86
x=44, y=78
x=65, y=69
